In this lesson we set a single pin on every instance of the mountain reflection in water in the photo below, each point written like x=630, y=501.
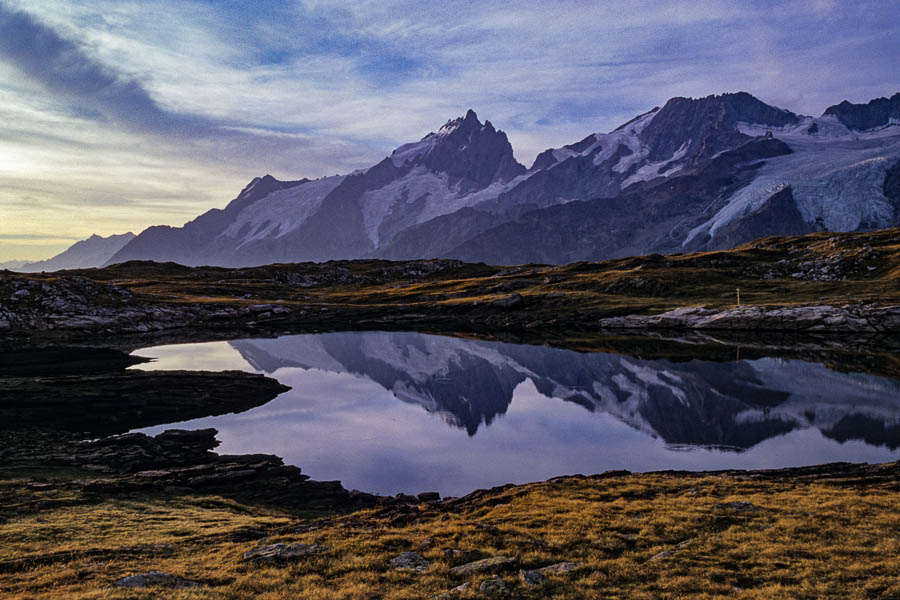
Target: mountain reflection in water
x=522, y=413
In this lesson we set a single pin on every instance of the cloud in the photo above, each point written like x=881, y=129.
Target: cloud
x=97, y=92
x=27, y=236
x=155, y=111
x=63, y=68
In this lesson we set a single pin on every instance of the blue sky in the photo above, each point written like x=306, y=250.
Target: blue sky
x=118, y=114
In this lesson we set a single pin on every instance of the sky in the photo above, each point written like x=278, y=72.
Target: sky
x=117, y=114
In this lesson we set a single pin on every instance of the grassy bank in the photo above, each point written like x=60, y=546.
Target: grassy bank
x=631, y=536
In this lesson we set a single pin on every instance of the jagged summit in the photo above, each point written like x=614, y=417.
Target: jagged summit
x=471, y=153
x=468, y=122
x=863, y=117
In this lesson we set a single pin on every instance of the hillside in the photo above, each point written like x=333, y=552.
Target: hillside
x=91, y=252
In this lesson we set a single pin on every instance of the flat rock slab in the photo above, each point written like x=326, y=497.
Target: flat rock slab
x=410, y=561
x=483, y=566
x=283, y=552
x=559, y=568
x=155, y=579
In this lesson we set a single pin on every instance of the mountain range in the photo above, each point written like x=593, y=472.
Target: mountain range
x=91, y=252
x=695, y=174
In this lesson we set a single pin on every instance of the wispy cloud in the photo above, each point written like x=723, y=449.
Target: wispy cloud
x=63, y=68
x=160, y=109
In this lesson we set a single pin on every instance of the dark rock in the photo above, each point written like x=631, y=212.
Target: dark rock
x=56, y=361
x=532, y=578
x=410, y=561
x=427, y=543
x=777, y=216
x=511, y=301
x=429, y=496
x=180, y=462
x=892, y=189
x=494, y=587
x=861, y=117
x=197, y=438
x=110, y=403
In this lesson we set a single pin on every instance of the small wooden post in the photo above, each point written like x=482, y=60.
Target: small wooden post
x=739, y=296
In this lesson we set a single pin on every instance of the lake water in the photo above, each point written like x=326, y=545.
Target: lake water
x=406, y=412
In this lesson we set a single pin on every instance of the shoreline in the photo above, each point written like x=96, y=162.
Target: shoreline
x=624, y=534
x=827, y=284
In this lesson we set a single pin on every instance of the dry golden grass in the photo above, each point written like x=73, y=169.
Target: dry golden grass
x=807, y=540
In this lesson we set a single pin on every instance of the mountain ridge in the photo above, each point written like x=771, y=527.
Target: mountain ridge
x=90, y=252
x=440, y=196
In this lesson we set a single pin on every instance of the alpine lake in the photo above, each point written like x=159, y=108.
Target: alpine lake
x=389, y=412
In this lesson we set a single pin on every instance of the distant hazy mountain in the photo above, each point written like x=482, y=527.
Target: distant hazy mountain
x=13, y=265
x=696, y=174
x=92, y=252
x=728, y=404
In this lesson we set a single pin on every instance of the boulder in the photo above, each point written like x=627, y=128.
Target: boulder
x=494, y=563
x=410, y=561
x=532, y=578
x=559, y=568
x=494, y=587
x=281, y=552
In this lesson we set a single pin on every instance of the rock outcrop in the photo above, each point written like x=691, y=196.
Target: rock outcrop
x=177, y=461
x=861, y=117
x=848, y=318
x=116, y=402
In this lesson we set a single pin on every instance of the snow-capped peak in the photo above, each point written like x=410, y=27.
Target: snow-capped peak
x=411, y=152
x=452, y=125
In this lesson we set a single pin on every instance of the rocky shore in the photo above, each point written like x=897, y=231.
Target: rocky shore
x=175, y=461
x=117, y=402
x=849, y=318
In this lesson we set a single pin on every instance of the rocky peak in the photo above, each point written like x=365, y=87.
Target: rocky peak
x=706, y=126
x=861, y=117
x=473, y=154
x=467, y=123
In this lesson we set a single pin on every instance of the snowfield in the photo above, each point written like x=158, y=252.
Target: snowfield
x=836, y=181
x=282, y=211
